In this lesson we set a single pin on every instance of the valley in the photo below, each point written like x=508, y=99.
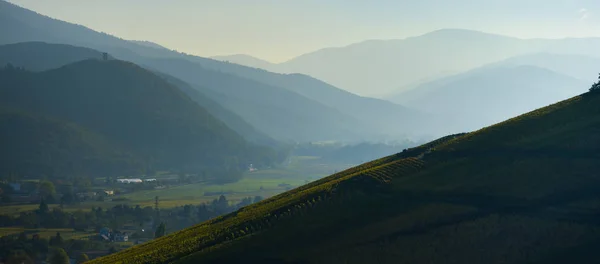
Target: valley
x=410, y=135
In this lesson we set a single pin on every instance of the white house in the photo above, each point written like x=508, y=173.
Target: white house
x=129, y=180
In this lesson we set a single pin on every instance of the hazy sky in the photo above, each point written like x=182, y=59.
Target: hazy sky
x=278, y=30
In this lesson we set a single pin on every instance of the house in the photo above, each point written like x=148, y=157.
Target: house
x=150, y=180
x=126, y=181
x=107, y=193
x=104, y=231
x=123, y=237
x=251, y=168
x=15, y=186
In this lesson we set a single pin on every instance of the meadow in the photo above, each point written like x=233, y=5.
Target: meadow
x=65, y=233
x=296, y=171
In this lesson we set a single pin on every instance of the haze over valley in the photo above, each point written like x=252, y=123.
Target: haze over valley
x=239, y=131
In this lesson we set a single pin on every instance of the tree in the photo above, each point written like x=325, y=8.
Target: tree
x=596, y=85
x=22, y=237
x=187, y=211
x=68, y=195
x=47, y=190
x=56, y=241
x=82, y=258
x=222, y=204
x=257, y=199
x=58, y=256
x=160, y=231
x=44, y=207
x=18, y=257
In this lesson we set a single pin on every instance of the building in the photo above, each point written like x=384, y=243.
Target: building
x=106, y=193
x=15, y=186
x=123, y=237
x=126, y=181
x=104, y=233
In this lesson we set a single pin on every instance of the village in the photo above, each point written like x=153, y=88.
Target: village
x=100, y=216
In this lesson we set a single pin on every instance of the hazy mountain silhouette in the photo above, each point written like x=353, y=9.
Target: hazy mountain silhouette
x=246, y=60
x=582, y=67
x=490, y=94
x=277, y=110
x=282, y=114
x=232, y=120
x=148, y=44
x=38, y=56
x=377, y=67
x=391, y=119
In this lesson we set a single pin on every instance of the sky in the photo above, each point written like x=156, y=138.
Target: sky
x=278, y=30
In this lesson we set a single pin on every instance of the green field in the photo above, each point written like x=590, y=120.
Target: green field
x=265, y=183
x=66, y=233
x=297, y=171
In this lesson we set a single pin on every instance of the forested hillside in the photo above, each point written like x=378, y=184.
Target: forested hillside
x=521, y=191
x=37, y=145
x=39, y=56
x=135, y=110
x=294, y=108
x=282, y=114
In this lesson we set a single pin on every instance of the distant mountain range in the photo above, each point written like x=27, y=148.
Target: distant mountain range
x=274, y=104
x=582, y=67
x=247, y=60
x=488, y=95
x=263, y=105
x=148, y=44
x=379, y=67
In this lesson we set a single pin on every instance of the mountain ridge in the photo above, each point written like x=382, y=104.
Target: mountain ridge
x=135, y=110
x=387, y=65
x=22, y=20
x=40, y=56
x=526, y=87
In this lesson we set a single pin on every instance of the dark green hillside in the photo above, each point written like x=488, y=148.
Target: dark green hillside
x=40, y=56
x=136, y=110
x=34, y=145
x=286, y=107
x=282, y=114
x=232, y=120
x=523, y=191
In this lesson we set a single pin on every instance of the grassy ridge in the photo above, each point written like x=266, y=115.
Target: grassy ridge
x=260, y=217
x=522, y=191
